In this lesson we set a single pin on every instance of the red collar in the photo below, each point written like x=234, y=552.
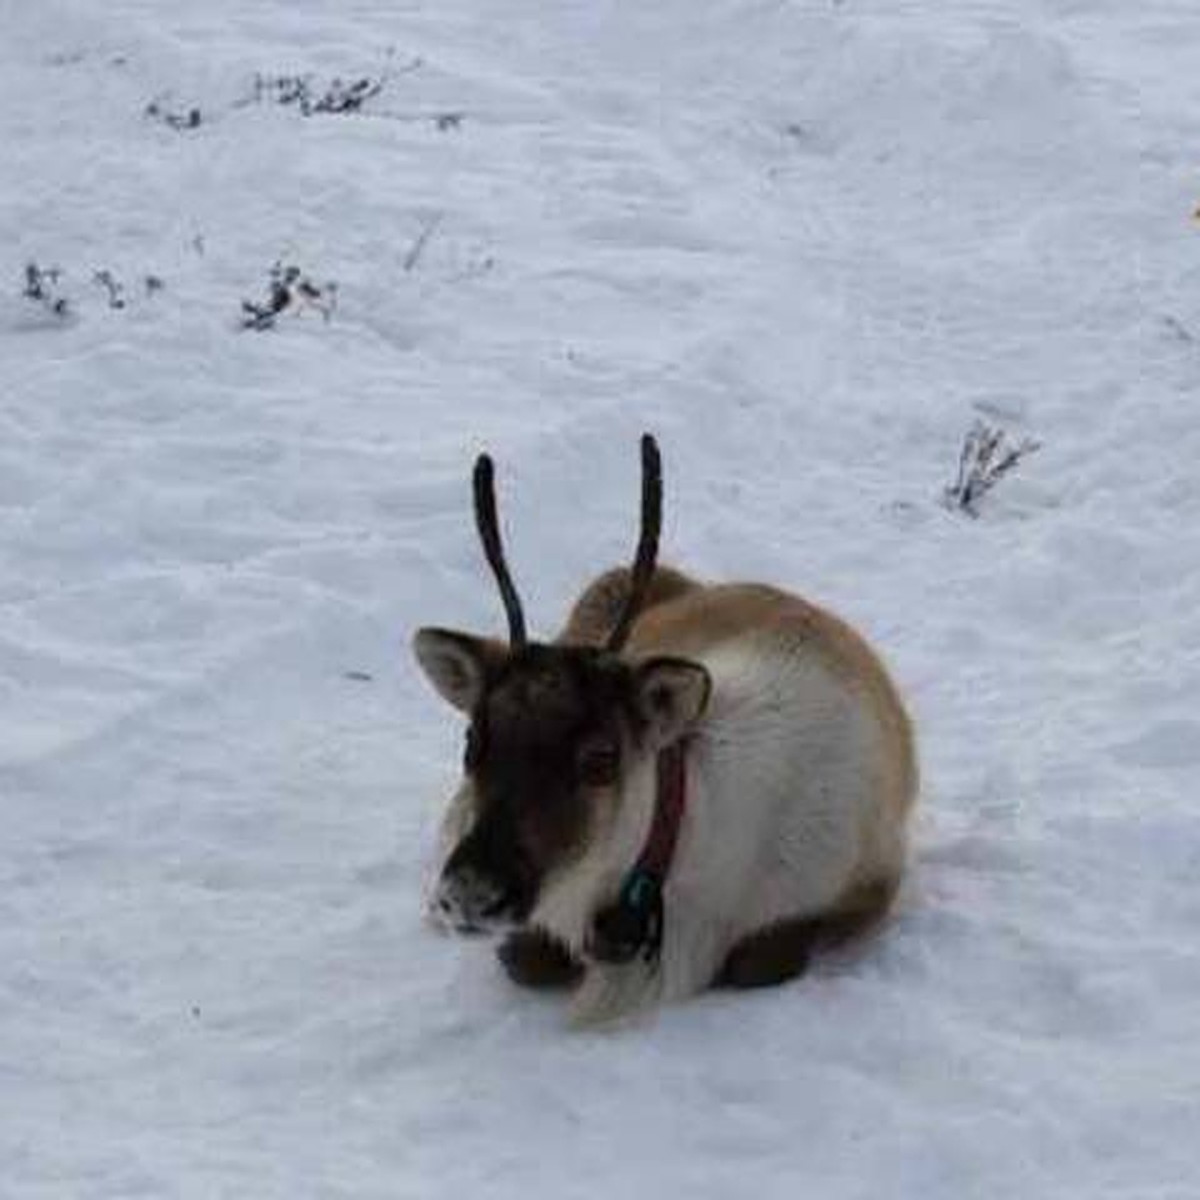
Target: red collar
x=669, y=803
x=634, y=924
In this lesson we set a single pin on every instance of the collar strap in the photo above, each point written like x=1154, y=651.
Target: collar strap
x=669, y=803
x=635, y=923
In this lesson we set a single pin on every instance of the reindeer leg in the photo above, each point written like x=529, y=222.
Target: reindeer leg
x=782, y=951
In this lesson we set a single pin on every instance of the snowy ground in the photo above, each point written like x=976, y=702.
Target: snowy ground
x=807, y=243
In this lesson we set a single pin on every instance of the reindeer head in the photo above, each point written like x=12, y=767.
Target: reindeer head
x=556, y=731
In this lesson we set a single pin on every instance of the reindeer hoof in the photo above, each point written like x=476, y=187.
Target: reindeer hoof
x=534, y=959
x=616, y=935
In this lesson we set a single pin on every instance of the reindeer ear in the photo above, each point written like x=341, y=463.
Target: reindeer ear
x=672, y=694
x=458, y=664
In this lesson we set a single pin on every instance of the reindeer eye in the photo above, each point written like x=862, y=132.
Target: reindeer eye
x=473, y=751
x=598, y=762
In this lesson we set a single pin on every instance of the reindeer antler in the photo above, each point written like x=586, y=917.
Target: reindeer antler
x=489, y=533
x=647, y=551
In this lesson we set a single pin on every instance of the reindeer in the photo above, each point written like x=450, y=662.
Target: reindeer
x=692, y=785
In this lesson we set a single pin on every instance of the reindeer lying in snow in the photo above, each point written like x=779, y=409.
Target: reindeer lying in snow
x=692, y=785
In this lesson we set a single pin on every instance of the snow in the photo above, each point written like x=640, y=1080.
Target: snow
x=807, y=244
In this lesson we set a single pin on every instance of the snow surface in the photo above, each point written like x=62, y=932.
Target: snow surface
x=807, y=244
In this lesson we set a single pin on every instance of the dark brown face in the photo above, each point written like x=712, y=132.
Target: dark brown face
x=544, y=755
x=553, y=730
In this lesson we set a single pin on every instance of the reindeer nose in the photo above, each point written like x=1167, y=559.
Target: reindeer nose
x=467, y=901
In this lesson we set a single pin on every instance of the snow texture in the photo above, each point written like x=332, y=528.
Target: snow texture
x=808, y=244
